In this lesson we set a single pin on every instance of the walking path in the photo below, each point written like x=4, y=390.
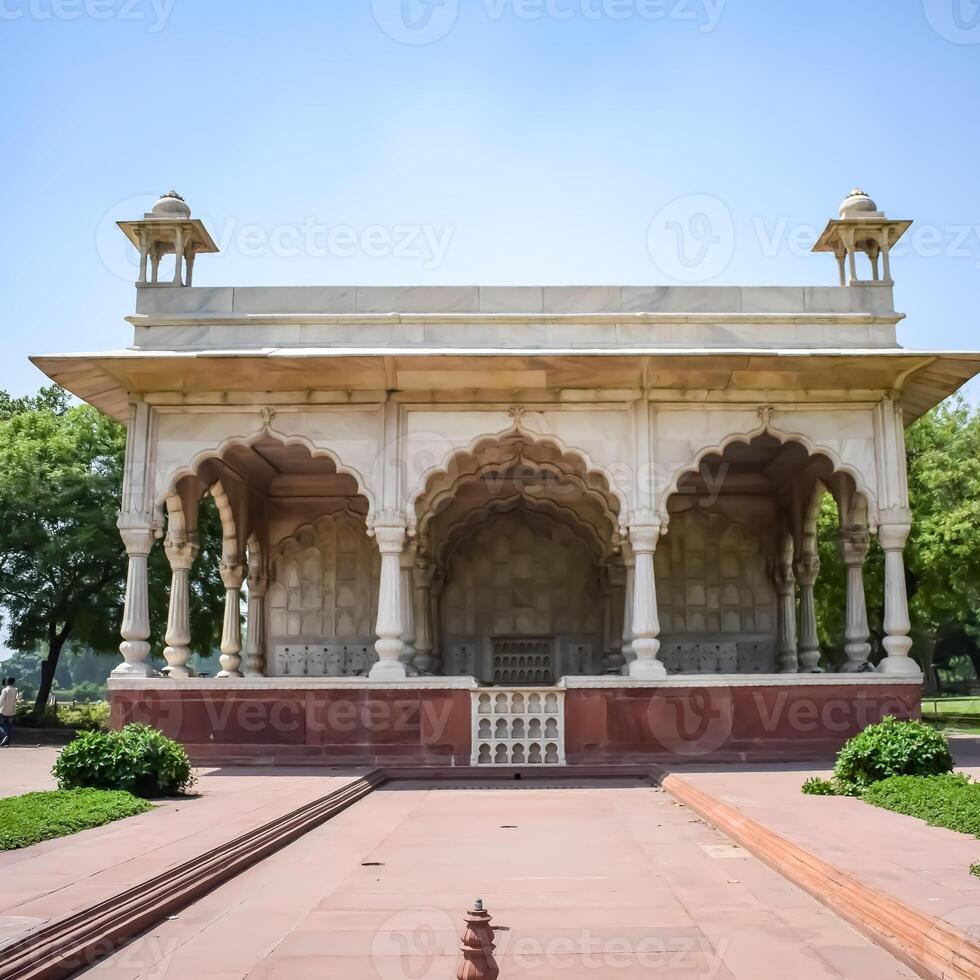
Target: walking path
x=586, y=879
x=926, y=868
x=55, y=878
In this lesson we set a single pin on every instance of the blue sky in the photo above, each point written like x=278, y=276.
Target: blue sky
x=525, y=141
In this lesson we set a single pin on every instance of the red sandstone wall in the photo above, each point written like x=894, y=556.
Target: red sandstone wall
x=432, y=727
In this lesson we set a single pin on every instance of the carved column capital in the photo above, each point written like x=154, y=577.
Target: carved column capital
x=807, y=569
x=138, y=540
x=180, y=554
x=644, y=537
x=232, y=574
x=894, y=536
x=853, y=545
x=390, y=538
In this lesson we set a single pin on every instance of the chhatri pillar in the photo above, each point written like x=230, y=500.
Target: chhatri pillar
x=135, y=627
x=646, y=621
x=391, y=540
x=181, y=555
x=853, y=544
x=232, y=576
x=897, y=641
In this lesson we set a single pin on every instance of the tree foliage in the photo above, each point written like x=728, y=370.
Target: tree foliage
x=62, y=562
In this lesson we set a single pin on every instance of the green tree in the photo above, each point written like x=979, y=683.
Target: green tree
x=62, y=562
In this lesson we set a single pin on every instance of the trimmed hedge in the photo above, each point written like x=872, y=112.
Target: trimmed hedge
x=138, y=759
x=34, y=817
x=949, y=801
x=891, y=748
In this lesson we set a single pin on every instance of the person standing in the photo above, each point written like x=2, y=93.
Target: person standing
x=8, y=710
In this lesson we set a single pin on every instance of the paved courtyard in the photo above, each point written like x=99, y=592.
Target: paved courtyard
x=583, y=880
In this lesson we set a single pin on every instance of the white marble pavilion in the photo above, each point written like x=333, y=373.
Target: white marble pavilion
x=517, y=485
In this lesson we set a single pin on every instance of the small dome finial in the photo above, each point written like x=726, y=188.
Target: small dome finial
x=171, y=205
x=857, y=203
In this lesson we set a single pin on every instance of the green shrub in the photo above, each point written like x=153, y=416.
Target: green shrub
x=975, y=869
x=33, y=817
x=138, y=759
x=815, y=786
x=891, y=748
x=950, y=800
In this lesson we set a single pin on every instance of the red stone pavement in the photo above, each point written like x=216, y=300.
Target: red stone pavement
x=927, y=868
x=57, y=877
x=604, y=880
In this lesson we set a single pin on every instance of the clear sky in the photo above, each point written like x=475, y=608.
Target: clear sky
x=481, y=141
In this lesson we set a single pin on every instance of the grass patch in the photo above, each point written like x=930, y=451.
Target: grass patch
x=34, y=817
x=949, y=801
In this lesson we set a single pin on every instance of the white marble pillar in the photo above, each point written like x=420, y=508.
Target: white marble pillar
x=232, y=576
x=407, y=596
x=258, y=588
x=135, y=628
x=181, y=555
x=807, y=570
x=646, y=621
x=422, y=577
x=787, y=660
x=897, y=642
x=627, y=649
x=853, y=544
x=391, y=539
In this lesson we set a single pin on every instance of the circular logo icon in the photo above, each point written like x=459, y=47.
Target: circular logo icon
x=415, y=21
x=691, y=722
x=113, y=248
x=415, y=943
x=692, y=239
x=957, y=21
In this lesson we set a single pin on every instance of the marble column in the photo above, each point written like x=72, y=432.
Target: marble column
x=135, y=628
x=807, y=570
x=897, y=642
x=232, y=576
x=787, y=660
x=407, y=595
x=646, y=622
x=258, y=588
x=181, y=555
x=391, y=539
x=422, y=592
x=853, y=544
x=627, y=649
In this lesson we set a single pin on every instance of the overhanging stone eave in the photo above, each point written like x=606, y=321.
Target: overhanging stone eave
x=107, y=379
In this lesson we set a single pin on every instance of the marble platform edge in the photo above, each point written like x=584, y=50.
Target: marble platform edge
x=470, y=684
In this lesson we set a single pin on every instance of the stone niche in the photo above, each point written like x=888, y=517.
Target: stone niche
x=716, y=599
x=322, y=600
x=522, y=579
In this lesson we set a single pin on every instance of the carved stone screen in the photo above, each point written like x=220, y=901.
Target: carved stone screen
x=520, y=576
x=325, y=580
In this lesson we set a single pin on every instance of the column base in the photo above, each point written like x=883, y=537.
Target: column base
x=899, y=667
x=130, y=670
x=388, y=670
x=646, y=670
